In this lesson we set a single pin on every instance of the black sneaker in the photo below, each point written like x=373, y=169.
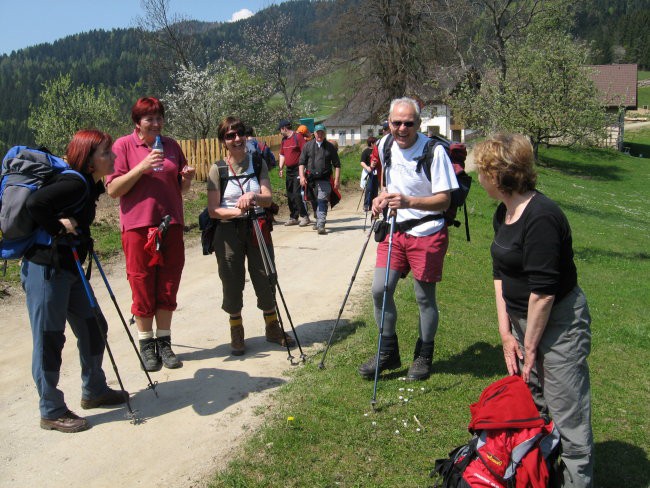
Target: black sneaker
x=420, y=369
x=167, y=356
x=386, y=361
x=150, y=357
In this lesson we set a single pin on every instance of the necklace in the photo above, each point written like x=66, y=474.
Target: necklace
x=516, y=208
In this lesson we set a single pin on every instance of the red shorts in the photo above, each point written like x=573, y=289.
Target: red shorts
x=422, y=255
x=153, y=287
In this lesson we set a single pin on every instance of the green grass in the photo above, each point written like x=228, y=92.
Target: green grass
x=643, y=93
x=643, y=96
x=337, y=440
x=638, y=141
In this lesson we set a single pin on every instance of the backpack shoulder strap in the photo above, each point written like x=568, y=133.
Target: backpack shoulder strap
x=257, y=165
x=223, y=175
x=388, y=144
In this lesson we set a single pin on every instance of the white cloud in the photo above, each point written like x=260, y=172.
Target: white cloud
x=241, y=14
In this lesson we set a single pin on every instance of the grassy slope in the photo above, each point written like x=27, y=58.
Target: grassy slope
x=336, y=439
x=644, y=92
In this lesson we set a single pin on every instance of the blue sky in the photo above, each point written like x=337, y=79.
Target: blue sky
x=29, y=22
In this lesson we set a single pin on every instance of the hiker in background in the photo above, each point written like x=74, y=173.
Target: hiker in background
x=304, y=130
x=260, y=147
x=235, y=240
x=370, y=177
x=290, y=148
x=420, y=240
x=53, y=287
x=543, y=315
x=374, y=156
x=319, y=158
x=149, y=184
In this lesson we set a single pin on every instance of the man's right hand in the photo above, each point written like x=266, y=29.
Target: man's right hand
x=280, y=172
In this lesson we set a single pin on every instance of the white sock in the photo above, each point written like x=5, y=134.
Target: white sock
x=145, y=335
x=163, y=332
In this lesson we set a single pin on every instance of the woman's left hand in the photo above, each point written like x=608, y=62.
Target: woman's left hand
x=529, y=361
x=188, y=172
x=246, y=201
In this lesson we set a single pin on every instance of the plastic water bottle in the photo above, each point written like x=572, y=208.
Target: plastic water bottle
x=157, y=146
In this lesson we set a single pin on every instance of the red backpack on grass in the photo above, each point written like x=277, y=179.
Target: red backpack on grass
x=513, y=446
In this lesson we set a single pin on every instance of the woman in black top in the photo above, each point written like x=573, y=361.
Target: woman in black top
x=65, y=207
x=543, y=316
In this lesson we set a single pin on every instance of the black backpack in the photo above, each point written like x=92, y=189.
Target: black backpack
x=458, y=196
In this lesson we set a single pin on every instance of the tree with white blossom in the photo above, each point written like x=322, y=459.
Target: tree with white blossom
x=200, y=97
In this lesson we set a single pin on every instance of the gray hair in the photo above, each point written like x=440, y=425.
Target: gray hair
x=405, y=101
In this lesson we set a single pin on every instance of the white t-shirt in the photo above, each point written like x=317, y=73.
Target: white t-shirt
x=401, y=177
x=232, y=192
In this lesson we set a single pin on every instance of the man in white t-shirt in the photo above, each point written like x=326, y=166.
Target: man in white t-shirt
x=417, y=197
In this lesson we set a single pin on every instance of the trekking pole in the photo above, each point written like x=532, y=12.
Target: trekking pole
x=393, y=216
x=363, y=193
x=321, y=365
x=272, y=275
x=102, y=333
x=152, y=384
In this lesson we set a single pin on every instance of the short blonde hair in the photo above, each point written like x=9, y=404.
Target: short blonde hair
x=509, y=159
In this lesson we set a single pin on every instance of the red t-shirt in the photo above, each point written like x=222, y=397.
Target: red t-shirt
x=157, y=193
x=290, y=148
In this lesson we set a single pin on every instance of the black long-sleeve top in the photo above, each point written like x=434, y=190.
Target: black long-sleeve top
x=534, y=254
x=61, y=197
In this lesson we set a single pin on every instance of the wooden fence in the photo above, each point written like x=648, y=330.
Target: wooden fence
x=202, y=153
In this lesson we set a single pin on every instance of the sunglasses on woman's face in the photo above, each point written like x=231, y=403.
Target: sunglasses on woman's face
x=230, y=136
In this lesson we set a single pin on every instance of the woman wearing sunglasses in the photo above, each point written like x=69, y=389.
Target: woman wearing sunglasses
x=238, y=190
x=149, y=183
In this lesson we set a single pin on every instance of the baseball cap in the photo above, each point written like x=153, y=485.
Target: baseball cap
x=319, y=127
x=283, y=123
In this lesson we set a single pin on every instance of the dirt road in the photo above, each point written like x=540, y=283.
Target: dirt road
x=203, y=410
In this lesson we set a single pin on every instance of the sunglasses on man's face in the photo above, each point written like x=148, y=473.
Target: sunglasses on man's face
x=405, y=123
x=230, y=136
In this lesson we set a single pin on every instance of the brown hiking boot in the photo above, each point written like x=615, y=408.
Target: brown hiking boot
x=69, y=423
x=237, y=345
x=274, y=334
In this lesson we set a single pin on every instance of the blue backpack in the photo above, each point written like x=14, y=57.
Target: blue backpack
x=25, y=170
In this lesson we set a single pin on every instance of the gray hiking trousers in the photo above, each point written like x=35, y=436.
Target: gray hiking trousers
x=560, y=385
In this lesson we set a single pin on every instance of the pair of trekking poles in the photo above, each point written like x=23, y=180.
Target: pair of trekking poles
x=272, y=275
x=321, y=365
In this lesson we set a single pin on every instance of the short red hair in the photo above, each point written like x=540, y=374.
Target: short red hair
x=146, y=106
x=82, y=146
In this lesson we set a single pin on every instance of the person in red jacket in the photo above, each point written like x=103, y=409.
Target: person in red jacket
x=290, y=149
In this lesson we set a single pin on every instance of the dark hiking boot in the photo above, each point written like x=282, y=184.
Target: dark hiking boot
x=422, y=363
x=237, y=345
x=386, y=361
x=108, y=399
x=150, y=358
x=274, y=334
x=388, y=358
x=69, y=423
x=420, y=369
x=167, y=356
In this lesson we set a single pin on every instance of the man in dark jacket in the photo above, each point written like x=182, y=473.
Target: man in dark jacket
x=317, y=159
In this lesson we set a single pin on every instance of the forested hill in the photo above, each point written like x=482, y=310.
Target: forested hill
x=120, y=59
